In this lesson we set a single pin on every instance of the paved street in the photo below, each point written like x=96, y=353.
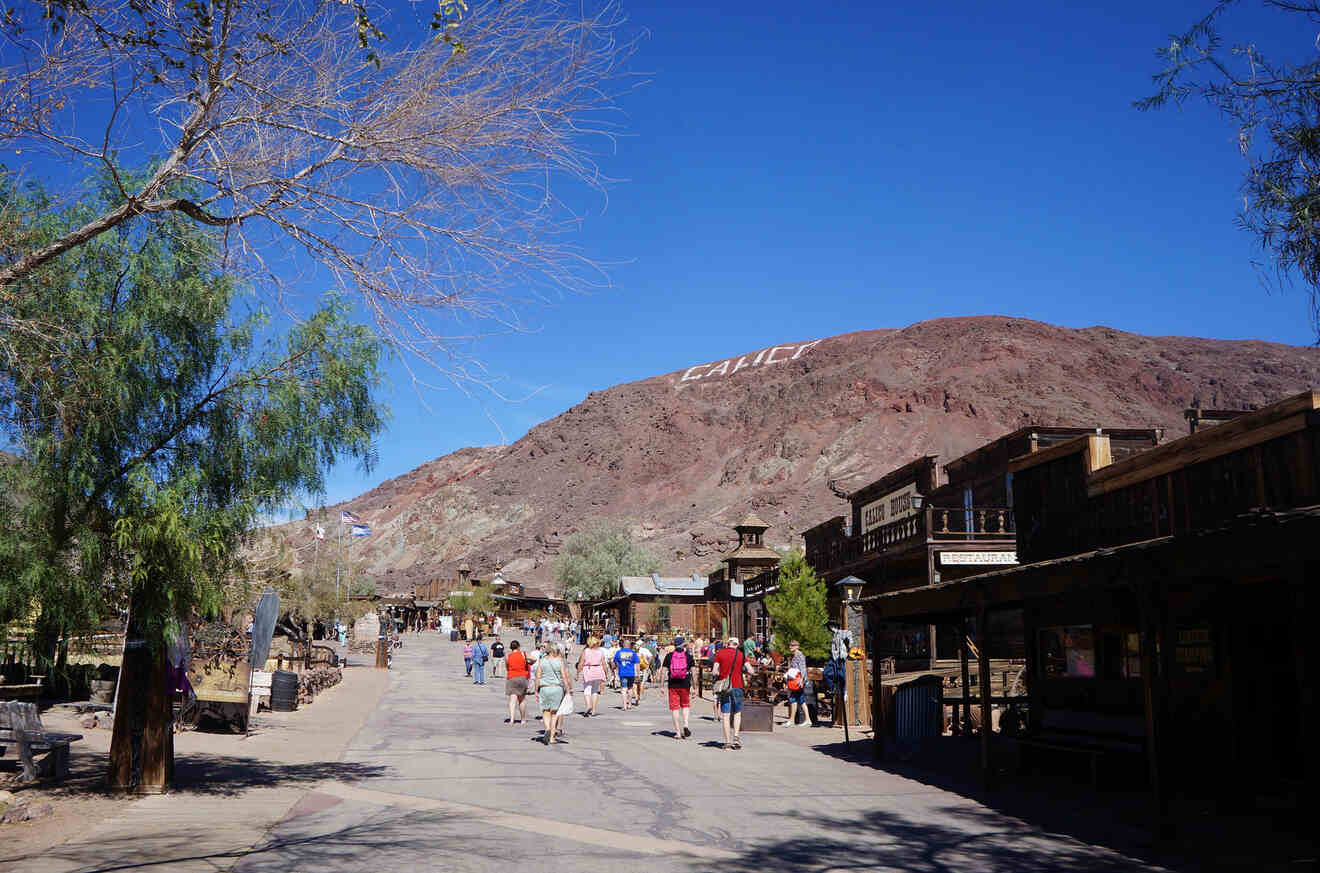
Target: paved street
x=437, y=782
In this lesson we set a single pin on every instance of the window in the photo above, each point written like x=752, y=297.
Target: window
x=1120, y=654
x=1067, y=651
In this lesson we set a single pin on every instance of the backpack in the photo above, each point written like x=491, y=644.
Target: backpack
x=678, y=664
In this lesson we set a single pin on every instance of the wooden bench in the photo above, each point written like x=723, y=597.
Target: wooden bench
x=20, y=724
x=1092, y=735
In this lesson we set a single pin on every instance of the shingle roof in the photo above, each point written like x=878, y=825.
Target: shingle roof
x=752, y=520
x=680, y=586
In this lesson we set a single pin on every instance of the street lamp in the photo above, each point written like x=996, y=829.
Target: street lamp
x=851, y=587
x=918, y=501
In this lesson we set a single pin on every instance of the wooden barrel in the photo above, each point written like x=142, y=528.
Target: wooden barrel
x=283, y=691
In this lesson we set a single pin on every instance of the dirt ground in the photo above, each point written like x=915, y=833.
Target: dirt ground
x=81, y=801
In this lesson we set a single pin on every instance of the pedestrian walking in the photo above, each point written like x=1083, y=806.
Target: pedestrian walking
x=678, y=667
x=795, y=681
x=611, y=675
x=566, y=704
x=591, y=667
x=479, y=656
x=467, y=658
x=515, y=685
x=497, y=625
x=731, y=664
x=467, y=628
x=644, y=659
x=496, y=657
x=549, y=687
x=625, y=664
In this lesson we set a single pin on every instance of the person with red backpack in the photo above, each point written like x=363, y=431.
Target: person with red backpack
x=795, y=683
x=677, y=669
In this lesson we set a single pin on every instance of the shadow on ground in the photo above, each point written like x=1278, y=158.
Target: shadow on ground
x=352, y=847
x=224, y=774
x=957, y=839
x=1118, y=819
x=215, y=775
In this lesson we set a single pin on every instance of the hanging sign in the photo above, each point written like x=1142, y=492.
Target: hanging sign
x=953, y=558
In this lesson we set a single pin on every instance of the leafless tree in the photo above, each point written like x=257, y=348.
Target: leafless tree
x=420, y=170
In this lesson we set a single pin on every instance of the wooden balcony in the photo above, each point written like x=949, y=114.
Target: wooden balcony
x=928, y=526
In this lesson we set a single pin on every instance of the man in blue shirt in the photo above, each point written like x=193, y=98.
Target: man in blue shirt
x=625, y=665
x=479, y=655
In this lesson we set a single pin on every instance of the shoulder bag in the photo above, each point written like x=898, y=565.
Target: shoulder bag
x=725, y=685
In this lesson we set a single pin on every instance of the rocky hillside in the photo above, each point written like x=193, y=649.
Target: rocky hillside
x=686, y=454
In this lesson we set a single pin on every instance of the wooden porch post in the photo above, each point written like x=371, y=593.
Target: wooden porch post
x=983, y=668
x=961, y=720
x=878, y=718
x=1155, y=683
x=1308, y=665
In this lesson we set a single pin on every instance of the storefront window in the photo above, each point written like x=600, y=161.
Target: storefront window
x=1067, y=651
x=1132, y=655
x=1120, y=654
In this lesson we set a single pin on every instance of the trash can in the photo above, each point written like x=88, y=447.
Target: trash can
x=919, y=709
x=283, y=691
x=453, y=636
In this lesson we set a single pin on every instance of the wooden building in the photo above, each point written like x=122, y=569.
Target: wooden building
x=923, y=523
x=656, y=603
x=1165, y=601
x=737, y=590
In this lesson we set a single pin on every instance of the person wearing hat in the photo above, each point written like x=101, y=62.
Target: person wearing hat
x=677, y=668
x=732, y=664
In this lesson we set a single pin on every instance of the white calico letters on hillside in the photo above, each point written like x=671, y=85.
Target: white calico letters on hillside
x=763, y=358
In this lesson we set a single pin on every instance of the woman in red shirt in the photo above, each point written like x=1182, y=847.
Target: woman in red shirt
x=516, y=684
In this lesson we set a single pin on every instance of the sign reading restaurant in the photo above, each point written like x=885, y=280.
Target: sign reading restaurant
x=763, y=358
x=951, y=558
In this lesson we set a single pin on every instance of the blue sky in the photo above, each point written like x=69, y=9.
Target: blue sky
x=793, y=171
x=799, y=171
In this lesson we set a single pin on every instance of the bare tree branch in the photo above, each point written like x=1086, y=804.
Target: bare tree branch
x=421, y=173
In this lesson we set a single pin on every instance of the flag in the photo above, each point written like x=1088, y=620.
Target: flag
x=320, y=532
x=349, y=518
x=361, y=530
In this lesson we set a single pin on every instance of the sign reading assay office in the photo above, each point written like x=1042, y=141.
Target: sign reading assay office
x=763, y=358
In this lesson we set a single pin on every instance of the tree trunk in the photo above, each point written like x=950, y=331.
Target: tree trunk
x=142, y=746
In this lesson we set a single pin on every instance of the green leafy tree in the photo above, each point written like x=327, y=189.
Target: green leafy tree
x=1272, y=99
x=593, y=559
x=799, y=608
x=480, y=599
x=154, y=429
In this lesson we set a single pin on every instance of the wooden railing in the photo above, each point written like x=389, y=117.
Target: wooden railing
x=930, y=524
x=977, y=522
x=761, y=584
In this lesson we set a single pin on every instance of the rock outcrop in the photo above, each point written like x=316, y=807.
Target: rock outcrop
x=684, y=455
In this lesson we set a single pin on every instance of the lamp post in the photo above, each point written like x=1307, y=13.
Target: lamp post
x=851, y=587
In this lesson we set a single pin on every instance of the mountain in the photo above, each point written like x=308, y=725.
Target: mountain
x=685, y=455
